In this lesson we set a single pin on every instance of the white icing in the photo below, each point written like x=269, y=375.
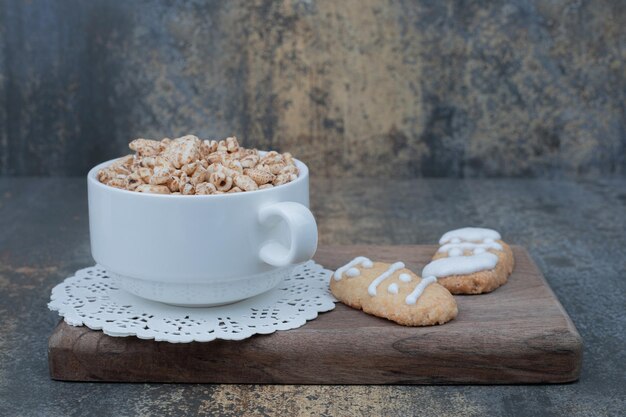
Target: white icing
x=478, y=251
x=392, y=288
x=419, y=289
x=353, y=272
x=469, y=234
x=448, y=247
x=455, y=252
x=405, y=277
x=460, y=265
x=389, y=272
x=350, y=269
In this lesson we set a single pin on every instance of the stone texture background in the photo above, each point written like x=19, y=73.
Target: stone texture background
x=355, y=87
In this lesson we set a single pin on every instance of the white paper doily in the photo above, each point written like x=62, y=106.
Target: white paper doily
x=91, y=298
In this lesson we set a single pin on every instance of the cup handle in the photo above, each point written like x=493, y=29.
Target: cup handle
x=302, y=229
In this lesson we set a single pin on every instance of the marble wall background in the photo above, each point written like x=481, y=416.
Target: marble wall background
x=353, y=87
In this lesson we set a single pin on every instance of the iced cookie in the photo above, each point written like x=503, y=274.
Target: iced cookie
x=471, y=261
x=393, y=292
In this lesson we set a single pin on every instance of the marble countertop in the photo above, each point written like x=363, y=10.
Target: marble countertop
x=575, y=231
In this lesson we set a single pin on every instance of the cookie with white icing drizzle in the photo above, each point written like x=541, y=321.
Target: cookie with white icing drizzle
x=471, y=260
x=393, y=292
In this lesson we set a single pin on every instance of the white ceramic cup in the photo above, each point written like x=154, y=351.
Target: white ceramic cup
x=201, y=250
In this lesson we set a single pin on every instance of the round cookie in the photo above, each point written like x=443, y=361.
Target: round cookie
x=393, y=292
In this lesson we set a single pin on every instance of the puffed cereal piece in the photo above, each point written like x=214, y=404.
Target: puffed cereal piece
x=232, y=145
x=183, y=150
x=235, y=190
x=289, y=169
x=250, y=161
x=237, y=155
x=259, y=176
x=214, y=167
x=199, y=175
x=218, y=167
x=147, y=161
x=263, y=167
x=146, y=147
x=189, y=169
x=122, y=165
x=207, y=147
x=234, y=165
x=272, y=157
x=245, y=183
x=134, y=181
x=288, y=158
x=216, y=157
x=162, y=171
x=145, y=174
x=174, y=184
x=152, y=189
x=277, y=168
x=205, y=188
x=187, y=189
x=284, y=179
x=119, y=182
x=221, y=181
x=105, y=175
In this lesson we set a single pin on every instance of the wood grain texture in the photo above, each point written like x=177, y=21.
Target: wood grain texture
x=517, y=334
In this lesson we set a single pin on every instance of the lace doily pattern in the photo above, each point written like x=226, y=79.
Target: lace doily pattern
x=91, y=298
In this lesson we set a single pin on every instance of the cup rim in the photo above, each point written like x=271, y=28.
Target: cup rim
x=93, y=180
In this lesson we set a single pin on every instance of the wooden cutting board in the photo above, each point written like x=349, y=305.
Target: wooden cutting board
x=517, y=334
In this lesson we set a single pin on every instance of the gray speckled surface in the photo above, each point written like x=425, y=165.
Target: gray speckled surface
x=448, y=89
x=575, y=231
